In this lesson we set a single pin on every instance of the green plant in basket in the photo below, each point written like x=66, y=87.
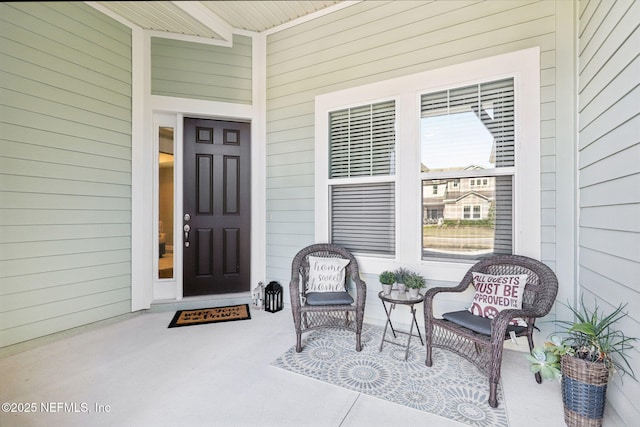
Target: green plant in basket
x=591, y=337
x=594, y=339
x=591, y=351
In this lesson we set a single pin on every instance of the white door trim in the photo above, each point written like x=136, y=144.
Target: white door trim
x=178, y=108
x=143, y=211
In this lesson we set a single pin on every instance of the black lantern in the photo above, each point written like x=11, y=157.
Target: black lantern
x=273, y=297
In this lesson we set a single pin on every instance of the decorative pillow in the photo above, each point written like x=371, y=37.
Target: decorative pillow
x=326, y=274
x=497, y=293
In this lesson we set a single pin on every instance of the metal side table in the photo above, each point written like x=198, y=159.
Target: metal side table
x=402, y=298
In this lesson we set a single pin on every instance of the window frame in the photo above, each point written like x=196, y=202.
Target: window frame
x=524, y=67
x=448, y=103
x=472, y=208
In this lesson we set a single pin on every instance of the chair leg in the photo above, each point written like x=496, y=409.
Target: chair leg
x=493, y=370
x=428, y=339
x=530, y=340
x=359, y=320
x=493, y=399
x=298, y=342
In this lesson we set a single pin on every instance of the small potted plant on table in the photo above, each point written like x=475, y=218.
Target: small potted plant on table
x=585, y=360
x=387, y=278
x=401, y=275
x=414, y=283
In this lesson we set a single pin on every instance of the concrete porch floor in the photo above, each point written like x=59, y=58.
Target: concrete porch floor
x=133, y=371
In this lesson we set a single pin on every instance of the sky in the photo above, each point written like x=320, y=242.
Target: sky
x=455, y=140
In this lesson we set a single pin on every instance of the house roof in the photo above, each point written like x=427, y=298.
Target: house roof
x=213, y=20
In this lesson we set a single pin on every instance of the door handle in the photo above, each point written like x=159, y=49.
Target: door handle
x=186, y=229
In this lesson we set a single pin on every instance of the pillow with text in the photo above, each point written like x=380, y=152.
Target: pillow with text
x=327, y=274
x=495, y=293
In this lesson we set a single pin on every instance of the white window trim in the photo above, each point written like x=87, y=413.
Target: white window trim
x=524, y=66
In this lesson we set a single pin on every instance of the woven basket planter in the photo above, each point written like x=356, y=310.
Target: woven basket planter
x=584, y=389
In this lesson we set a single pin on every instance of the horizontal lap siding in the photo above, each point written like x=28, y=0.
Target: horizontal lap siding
x=370, y=42
x=65, y=168
x=609, y=170
x=199, y=71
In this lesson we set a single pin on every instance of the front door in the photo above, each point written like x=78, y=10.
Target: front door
x=216, y=223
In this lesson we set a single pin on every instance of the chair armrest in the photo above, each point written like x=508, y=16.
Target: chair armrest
x=295, y=293
x=361, y=290
x=430, y=294
x=525, y=312
x=501, y=321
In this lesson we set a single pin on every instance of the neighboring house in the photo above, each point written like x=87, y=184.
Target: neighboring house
x=88, y=104
x=459, y=199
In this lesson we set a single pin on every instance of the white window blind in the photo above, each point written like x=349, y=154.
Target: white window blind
x=363, y=217
x=362, y=141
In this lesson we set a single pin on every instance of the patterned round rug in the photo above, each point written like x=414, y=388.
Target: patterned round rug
x=452, y=388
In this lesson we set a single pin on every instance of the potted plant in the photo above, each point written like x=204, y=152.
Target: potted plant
x=414, y=283
x=401, y=273
x=387, y=278
x=585, y=359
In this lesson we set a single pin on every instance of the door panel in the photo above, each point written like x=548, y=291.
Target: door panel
x=217, y=205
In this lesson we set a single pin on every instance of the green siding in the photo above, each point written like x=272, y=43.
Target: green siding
x=65, y=168
x=609, y=171
x=374, y=41
x=199, y=71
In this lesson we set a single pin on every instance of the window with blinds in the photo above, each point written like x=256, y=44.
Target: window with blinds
x=362, y=141
x=467, y=152
x=362, y=145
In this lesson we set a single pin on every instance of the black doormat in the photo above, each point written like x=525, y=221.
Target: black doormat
x=203, y=316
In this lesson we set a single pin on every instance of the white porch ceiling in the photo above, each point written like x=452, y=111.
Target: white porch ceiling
x=210, y=19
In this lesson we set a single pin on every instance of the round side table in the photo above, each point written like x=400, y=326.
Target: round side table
x=401, y=298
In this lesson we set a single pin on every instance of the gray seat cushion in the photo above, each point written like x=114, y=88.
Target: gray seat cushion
x=329, y=298
x=478, y=324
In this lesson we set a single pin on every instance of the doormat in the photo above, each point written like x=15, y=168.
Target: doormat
x=452, y=388
x=203, y=316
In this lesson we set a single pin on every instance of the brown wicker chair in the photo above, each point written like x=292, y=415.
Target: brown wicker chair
x=485, y=350
x=306, y=316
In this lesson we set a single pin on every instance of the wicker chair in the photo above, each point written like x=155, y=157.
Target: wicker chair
x=313, y=311
x=485, y=349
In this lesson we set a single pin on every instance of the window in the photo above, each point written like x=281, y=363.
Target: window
x=466, y=132
x=478, y=182
x=361, y=147
x=468, y=209
x=464, y=155
x=166, y=177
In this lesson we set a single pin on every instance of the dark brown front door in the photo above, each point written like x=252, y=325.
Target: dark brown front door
x=216, y=207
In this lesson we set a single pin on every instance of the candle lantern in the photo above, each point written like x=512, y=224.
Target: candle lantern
x=273, y=297
x=257, y=297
